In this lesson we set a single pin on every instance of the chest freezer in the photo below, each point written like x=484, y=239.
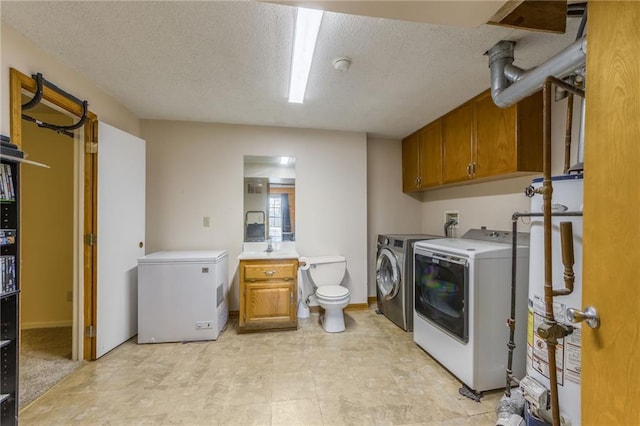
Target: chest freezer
x=182, y=295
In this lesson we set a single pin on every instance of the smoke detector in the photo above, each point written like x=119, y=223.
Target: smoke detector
x=342, y=64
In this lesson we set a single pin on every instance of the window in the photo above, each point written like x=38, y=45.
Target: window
x=275, y=218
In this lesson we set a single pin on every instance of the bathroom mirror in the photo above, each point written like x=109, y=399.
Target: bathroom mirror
x=269, y=198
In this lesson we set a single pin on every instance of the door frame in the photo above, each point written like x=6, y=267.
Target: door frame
x=86, y=272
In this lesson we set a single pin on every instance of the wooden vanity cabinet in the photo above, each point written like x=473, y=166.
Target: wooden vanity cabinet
x=268, y=295
x=422, y=158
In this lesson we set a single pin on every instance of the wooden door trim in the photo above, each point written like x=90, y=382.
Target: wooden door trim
x=20, y=83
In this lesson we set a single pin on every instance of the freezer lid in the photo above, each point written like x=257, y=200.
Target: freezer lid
x=184, y=256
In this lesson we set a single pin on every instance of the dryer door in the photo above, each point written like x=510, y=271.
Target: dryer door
x=388, y=277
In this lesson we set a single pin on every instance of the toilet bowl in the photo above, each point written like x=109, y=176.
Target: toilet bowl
x=326, y=274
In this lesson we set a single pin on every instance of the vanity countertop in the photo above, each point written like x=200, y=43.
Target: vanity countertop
x=284, y=250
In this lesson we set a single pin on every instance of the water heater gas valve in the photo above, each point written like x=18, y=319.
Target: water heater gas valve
x=534, y=392
x=552, y=331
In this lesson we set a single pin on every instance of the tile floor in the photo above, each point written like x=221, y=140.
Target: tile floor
x=372, y=374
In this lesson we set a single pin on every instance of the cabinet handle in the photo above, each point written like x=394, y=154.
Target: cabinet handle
x=269, y=273
x=474, y=168
x=417, y=182
x=420, y=182
x=469, y=169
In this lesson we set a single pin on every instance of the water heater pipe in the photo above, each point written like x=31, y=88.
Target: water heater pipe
x=511, y=322
x=567, y=136
x=566, y=242
x=505, y=94
x=550, y=330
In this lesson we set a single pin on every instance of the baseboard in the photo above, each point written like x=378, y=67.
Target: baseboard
x=373, y=300
x=316, y=309
x=357, y=307
x=45, y=324
x=351, y=307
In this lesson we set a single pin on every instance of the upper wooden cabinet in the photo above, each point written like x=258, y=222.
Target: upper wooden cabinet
x=507, y=140
x=422, y=158
x=411, y=163
x=457, y=144
x=431, y=154
x=477, y=141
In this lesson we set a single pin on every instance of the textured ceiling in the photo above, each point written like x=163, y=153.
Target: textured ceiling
x=228, y=62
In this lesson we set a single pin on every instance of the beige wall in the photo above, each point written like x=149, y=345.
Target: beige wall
x=47, y=227
x=196, y=170
x=19, y=53
x=390, y=211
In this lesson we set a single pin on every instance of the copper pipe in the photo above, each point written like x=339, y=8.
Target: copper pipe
x=547, y=191
x=511, y=322
x=566, y=241
x=567, y=135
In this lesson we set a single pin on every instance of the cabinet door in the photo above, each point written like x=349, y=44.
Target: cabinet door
x=269, y=302
x=495, y=150
x=457, y=140
x=431, y=154
x=410, y=163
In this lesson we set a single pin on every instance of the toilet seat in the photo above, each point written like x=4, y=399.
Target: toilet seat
x=332, y=292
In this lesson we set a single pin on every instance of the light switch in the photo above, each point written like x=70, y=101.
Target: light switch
x=206, y=221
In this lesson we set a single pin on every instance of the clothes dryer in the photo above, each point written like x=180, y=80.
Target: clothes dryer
x=394, y=277
x=462, y=302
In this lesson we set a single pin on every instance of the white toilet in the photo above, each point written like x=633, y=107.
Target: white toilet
x=326, y=274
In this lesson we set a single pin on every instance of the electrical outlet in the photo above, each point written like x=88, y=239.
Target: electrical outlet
x=452, y=215
x=202, y=325
x=206, y=221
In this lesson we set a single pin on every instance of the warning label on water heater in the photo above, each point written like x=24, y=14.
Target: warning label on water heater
x=568, y=360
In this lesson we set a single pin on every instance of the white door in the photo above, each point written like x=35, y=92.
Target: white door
x=121, y=210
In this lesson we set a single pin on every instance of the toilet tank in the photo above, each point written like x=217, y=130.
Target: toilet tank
x=327, y=270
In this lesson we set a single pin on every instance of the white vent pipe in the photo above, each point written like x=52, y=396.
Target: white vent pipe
x=525, y=83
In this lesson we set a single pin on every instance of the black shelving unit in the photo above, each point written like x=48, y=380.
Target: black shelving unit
x=10, y=294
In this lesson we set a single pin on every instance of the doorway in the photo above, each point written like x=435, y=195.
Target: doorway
x=49, y=266
x=78, y=169
x=84, y=316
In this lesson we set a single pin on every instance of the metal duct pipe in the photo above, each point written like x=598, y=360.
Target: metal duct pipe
x=529, y=82
x=513, y=73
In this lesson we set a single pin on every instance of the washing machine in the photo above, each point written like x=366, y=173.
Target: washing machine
x=394, y=276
